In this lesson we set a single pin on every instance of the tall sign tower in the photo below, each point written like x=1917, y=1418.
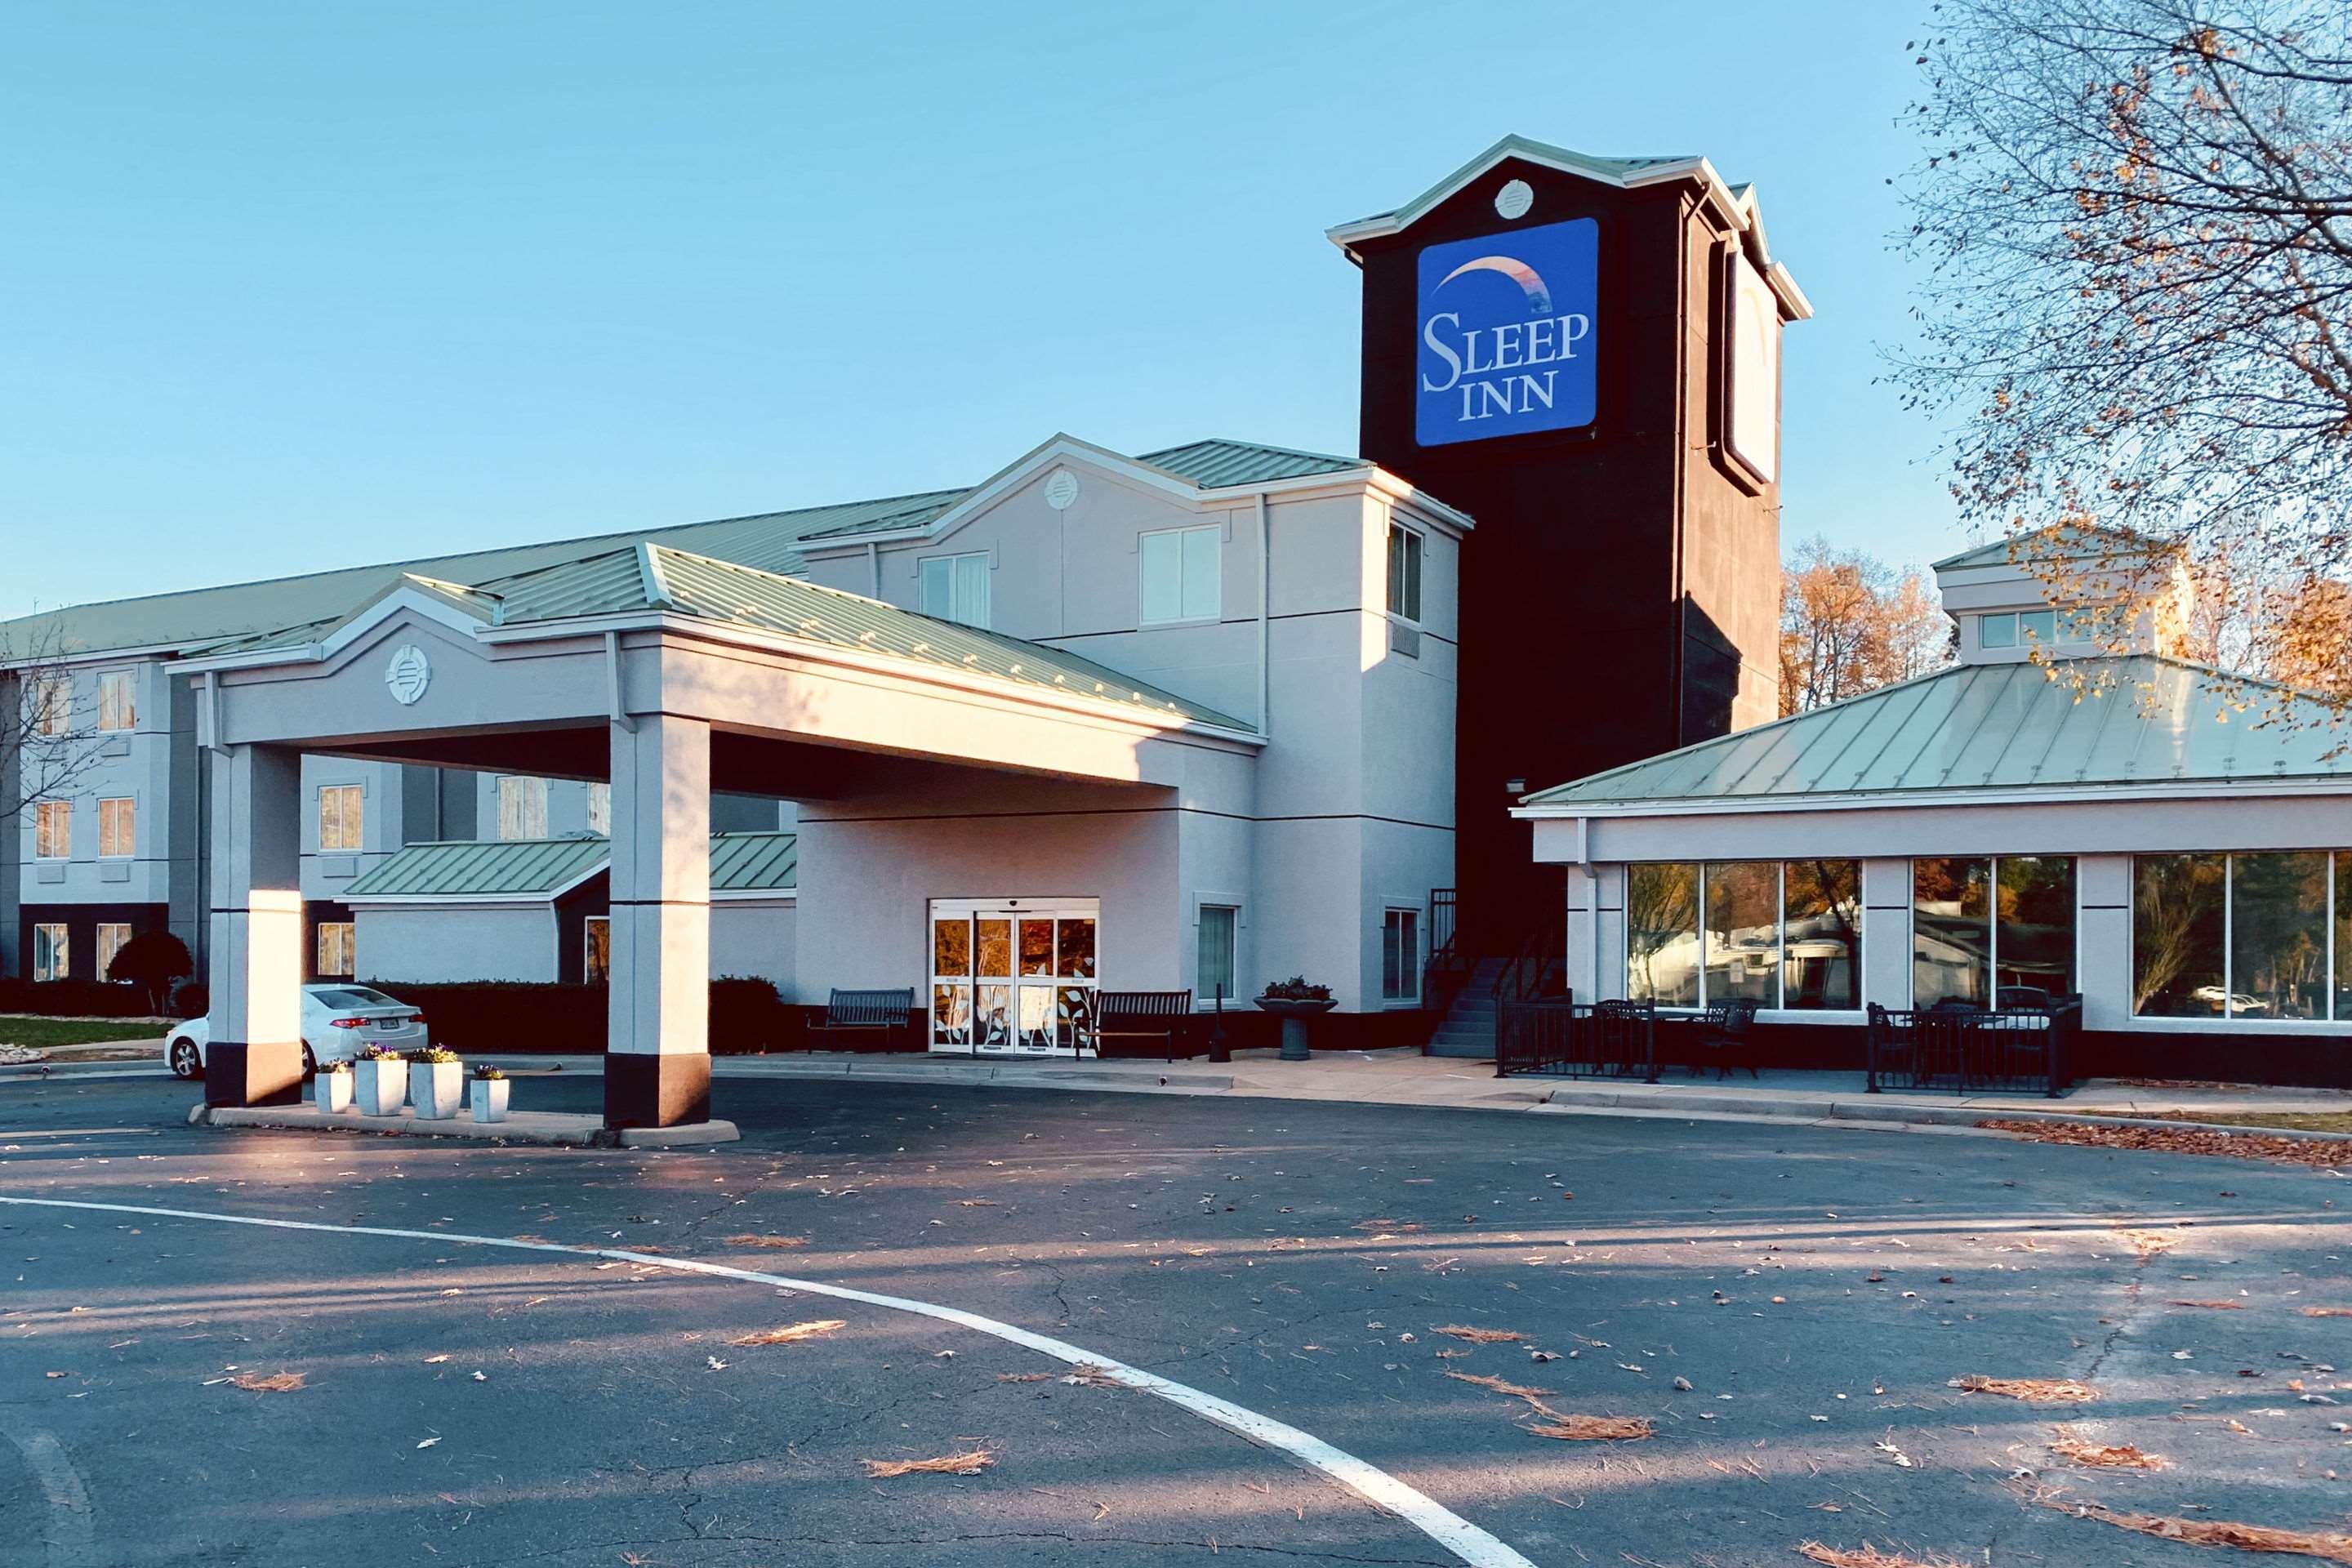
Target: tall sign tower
x=1584, y=354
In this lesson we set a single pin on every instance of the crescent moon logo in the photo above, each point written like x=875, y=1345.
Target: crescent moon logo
x=1538, y=293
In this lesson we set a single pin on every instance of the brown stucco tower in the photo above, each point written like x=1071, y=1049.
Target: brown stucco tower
x=1583, y=354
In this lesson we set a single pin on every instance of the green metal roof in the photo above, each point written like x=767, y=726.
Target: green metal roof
x=652, y=577
x=484, y=869
x=755, y=862
x=764, y=862
x=2140, y=719
x=1216, y=464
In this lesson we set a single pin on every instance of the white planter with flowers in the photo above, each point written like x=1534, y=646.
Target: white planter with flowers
x=381, y=1083
x=331, y=1087
x=436, y=1082
x=489, y=1094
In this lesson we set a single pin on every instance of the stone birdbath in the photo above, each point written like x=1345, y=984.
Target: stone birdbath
x=1295, y=1001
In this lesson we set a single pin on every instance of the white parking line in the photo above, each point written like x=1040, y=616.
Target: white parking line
x=1375, y=1485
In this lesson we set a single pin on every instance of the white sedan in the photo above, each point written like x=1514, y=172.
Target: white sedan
x=338, y=1020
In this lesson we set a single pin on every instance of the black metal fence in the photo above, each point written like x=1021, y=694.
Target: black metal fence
x=1961, y=1050
x=1567, y=1039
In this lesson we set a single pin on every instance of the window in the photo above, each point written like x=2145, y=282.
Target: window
x=600, y=809
x=118, y=824
x=955, y=589
x=1218, y=926
x=1996, y=631
x=1400, y=956
x=1181, y=574
x=1820, y=964
x=116, y=708
x=2241, y=936
x=49, y=952
x=52, y=829
x=342, y=817
x=522, y=808
x=1405, y=546
x=2037, y=625
x=53, y=704
x=1756, y=931
x=111, y=938
x=338, y=947
x=596, y=957
x=1978, y=924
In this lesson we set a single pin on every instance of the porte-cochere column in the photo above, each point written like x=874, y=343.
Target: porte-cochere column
x=657, y=1061
x=254, y=969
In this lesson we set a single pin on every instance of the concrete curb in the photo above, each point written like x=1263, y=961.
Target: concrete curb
x=542, y=1127
x=983, y=1074
x=1887, y=1113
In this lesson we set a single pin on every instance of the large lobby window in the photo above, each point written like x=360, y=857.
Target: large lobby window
x=2240, y=936
x=955, y=589
x=1756, y=931
x=1980, y=924
x=1180, y=570
x=1013, y=975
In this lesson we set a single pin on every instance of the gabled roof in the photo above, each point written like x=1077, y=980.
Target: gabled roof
x=529, y=869
x=1738, y=202
x=1217, y=464
x=2144, y=720
x=2060, y=542
x=648, y=578
x=491, y=869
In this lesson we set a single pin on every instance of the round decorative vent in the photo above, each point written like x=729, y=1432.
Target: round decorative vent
x=1061, y=489
x=1515, y=199
x=407, y=674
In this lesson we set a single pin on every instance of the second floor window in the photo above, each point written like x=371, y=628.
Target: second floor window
x=1182, y=571
x=52, y=829
x=117, y=710
x=1404, y=572
x=118, y=827
x=955, y=589
x=53, y=704
x=600, y=809
x=522, y=808
x=342, y=817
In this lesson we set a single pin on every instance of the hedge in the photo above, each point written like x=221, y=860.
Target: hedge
x=75, y=998
x=747, y=1015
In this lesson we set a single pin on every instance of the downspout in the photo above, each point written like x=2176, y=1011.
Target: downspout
x=613, y=683
x=1593, y=881
x=873, y=568
x=1265, y=616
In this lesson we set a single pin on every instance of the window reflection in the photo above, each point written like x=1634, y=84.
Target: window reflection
x=1743, y=935
x=1951, y=931
x=1823, y=934
x=1662, y=945
x=2177, y=935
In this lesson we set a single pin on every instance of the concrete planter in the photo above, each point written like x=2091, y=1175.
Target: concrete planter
x=1294, y=1012
x=435, y=1088
x=489, y=1098
x=382, y=1086
x=332, y=1090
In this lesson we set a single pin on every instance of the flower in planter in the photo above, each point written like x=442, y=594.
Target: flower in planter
x=341, y=1067
x=1297, y=988
x=439, y=1055
x=485, y=1073
x=380, y=1053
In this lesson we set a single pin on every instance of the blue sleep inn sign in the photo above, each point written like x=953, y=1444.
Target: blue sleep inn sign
x=1507, y=334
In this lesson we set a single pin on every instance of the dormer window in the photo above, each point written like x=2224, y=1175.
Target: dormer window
x=2011, y=627
x=955, y=589
x=1181, y=570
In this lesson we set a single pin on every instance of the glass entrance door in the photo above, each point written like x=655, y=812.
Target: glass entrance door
x=1013, y=976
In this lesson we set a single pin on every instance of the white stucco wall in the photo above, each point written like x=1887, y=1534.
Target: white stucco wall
x=755, y=937
x=455, y=941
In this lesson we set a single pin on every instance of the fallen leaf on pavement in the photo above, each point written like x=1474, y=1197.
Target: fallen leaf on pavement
x=1086, y=1374
x=1868, y=1556
x=428, y=1442
x=2038, y=1390
x=772, y=1243
x=2328, y=1545
x=277, y=1382
x=1481, y=1336
x=2230, y=1145
x=1594, y=1428
x=793, y=1334
x=1025, y=1377
x=2067, y=1446
x=1516, y=1390
x=2214, y=1305
x=2328, y=1312
x=970, y=1464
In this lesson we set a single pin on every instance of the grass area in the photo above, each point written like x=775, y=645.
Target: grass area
x=2293, y=1120
x=48, y=1034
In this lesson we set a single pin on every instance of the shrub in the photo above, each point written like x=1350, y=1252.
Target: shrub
x=73, y=998
x=192, y=1000
x=152, y=961
x=516, y=1016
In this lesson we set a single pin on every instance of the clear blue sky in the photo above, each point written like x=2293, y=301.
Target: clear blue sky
x=291, y=286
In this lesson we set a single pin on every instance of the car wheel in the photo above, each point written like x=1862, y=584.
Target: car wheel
x=183, y=1060
x=309, y=1062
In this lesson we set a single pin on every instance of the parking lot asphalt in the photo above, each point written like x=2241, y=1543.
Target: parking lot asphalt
x=1787, y=1307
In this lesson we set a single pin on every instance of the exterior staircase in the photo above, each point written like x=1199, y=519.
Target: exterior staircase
x=1468, y=1026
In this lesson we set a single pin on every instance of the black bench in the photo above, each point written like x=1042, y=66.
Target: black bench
x=1160, y=1015
x=867, y=1019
